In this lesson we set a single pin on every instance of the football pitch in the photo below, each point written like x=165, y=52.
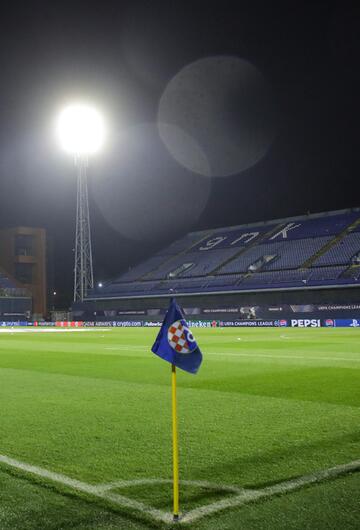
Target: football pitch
x=269, y=430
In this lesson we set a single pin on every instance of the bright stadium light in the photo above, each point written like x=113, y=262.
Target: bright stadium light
x=80, y=129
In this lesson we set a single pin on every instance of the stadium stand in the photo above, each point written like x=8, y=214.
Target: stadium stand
x=15, y=302
x=285, y=255
x=343, y=252
x=326, y=273
x=312, y=250
x=141, y=269
x=5, y=282
x=192, y=264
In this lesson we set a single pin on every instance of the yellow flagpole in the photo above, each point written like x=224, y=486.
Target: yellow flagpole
x=175, y=445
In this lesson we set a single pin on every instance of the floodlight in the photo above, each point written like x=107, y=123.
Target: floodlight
x=80, y=129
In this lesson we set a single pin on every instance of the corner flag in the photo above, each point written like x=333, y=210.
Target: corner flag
x=175, y=343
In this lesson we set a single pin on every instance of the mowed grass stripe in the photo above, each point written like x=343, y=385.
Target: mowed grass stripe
x=116, y=430
x=101, y=418
x=339, y=385
x=259, y=340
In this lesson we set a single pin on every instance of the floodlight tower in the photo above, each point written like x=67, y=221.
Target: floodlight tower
x=81, y=133
x=83, y=267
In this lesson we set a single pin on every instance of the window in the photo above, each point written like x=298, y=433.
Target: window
x=24, y=245
x=24, y=272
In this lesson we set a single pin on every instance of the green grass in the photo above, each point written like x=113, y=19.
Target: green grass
x=276, y=404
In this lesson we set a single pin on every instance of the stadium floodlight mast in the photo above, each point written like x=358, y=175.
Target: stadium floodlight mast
x=80, y=131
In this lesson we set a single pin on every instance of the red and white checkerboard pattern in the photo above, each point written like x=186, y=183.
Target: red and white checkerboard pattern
x=177, y=338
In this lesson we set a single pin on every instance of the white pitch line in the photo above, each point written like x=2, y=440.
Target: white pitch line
x=120, y=500
x=287, y=486
x=242, y=496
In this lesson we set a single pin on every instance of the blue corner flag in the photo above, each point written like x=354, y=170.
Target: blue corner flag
x=175, y=343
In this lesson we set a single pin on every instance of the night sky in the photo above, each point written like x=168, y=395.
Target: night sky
x=121, y=56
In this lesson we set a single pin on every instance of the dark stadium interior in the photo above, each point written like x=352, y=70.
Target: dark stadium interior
x=123, y=56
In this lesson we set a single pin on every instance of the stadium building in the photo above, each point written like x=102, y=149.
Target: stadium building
x=299, y=269
x=22, y=273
